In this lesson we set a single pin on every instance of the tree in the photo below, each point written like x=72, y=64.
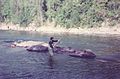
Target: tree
x=66, y=13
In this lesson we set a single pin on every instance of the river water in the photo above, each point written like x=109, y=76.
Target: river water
x=17, y=63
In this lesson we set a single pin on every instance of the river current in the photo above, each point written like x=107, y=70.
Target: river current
x=17, y=63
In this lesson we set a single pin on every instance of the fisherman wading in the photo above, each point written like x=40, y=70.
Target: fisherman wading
x=51, y=45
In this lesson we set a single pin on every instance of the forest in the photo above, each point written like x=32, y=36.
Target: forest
x=66, y=13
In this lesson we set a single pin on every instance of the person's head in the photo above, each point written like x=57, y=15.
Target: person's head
x=51, y=38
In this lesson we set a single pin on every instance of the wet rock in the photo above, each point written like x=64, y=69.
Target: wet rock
x=38, y=48
x=83, y=54
x=64, y=50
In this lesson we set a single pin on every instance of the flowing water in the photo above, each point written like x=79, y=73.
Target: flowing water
x=17, y=63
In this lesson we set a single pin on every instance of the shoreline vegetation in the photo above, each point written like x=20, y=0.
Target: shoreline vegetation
x=61, y=16
x=49, y=28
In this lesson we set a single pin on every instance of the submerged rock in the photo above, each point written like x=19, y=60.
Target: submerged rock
x=67, y=50
x=64, y=50
x=28, y=43
x=75, y=53
x=83, y=54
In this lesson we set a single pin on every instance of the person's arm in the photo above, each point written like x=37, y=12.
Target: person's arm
x=55, y=40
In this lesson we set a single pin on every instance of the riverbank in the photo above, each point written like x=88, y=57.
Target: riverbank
x=59, y=30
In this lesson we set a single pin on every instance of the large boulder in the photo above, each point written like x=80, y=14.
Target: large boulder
x=37, y=48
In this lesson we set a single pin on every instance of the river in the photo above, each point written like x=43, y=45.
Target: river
x=17, y=63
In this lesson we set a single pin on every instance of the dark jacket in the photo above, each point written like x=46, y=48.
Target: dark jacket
x=51, y=42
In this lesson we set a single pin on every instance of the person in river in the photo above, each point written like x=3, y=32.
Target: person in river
x=51, y=45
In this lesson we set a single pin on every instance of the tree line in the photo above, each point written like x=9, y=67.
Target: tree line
x=66, y=13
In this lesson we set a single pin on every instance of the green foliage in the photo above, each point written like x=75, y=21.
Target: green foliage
x=27, y=14
x=6, y=9
x=21, y=11
x=76, y=13
x=67, y=13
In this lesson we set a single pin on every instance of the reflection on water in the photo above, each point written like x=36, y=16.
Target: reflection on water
x=17, y=63
x=51, y=62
